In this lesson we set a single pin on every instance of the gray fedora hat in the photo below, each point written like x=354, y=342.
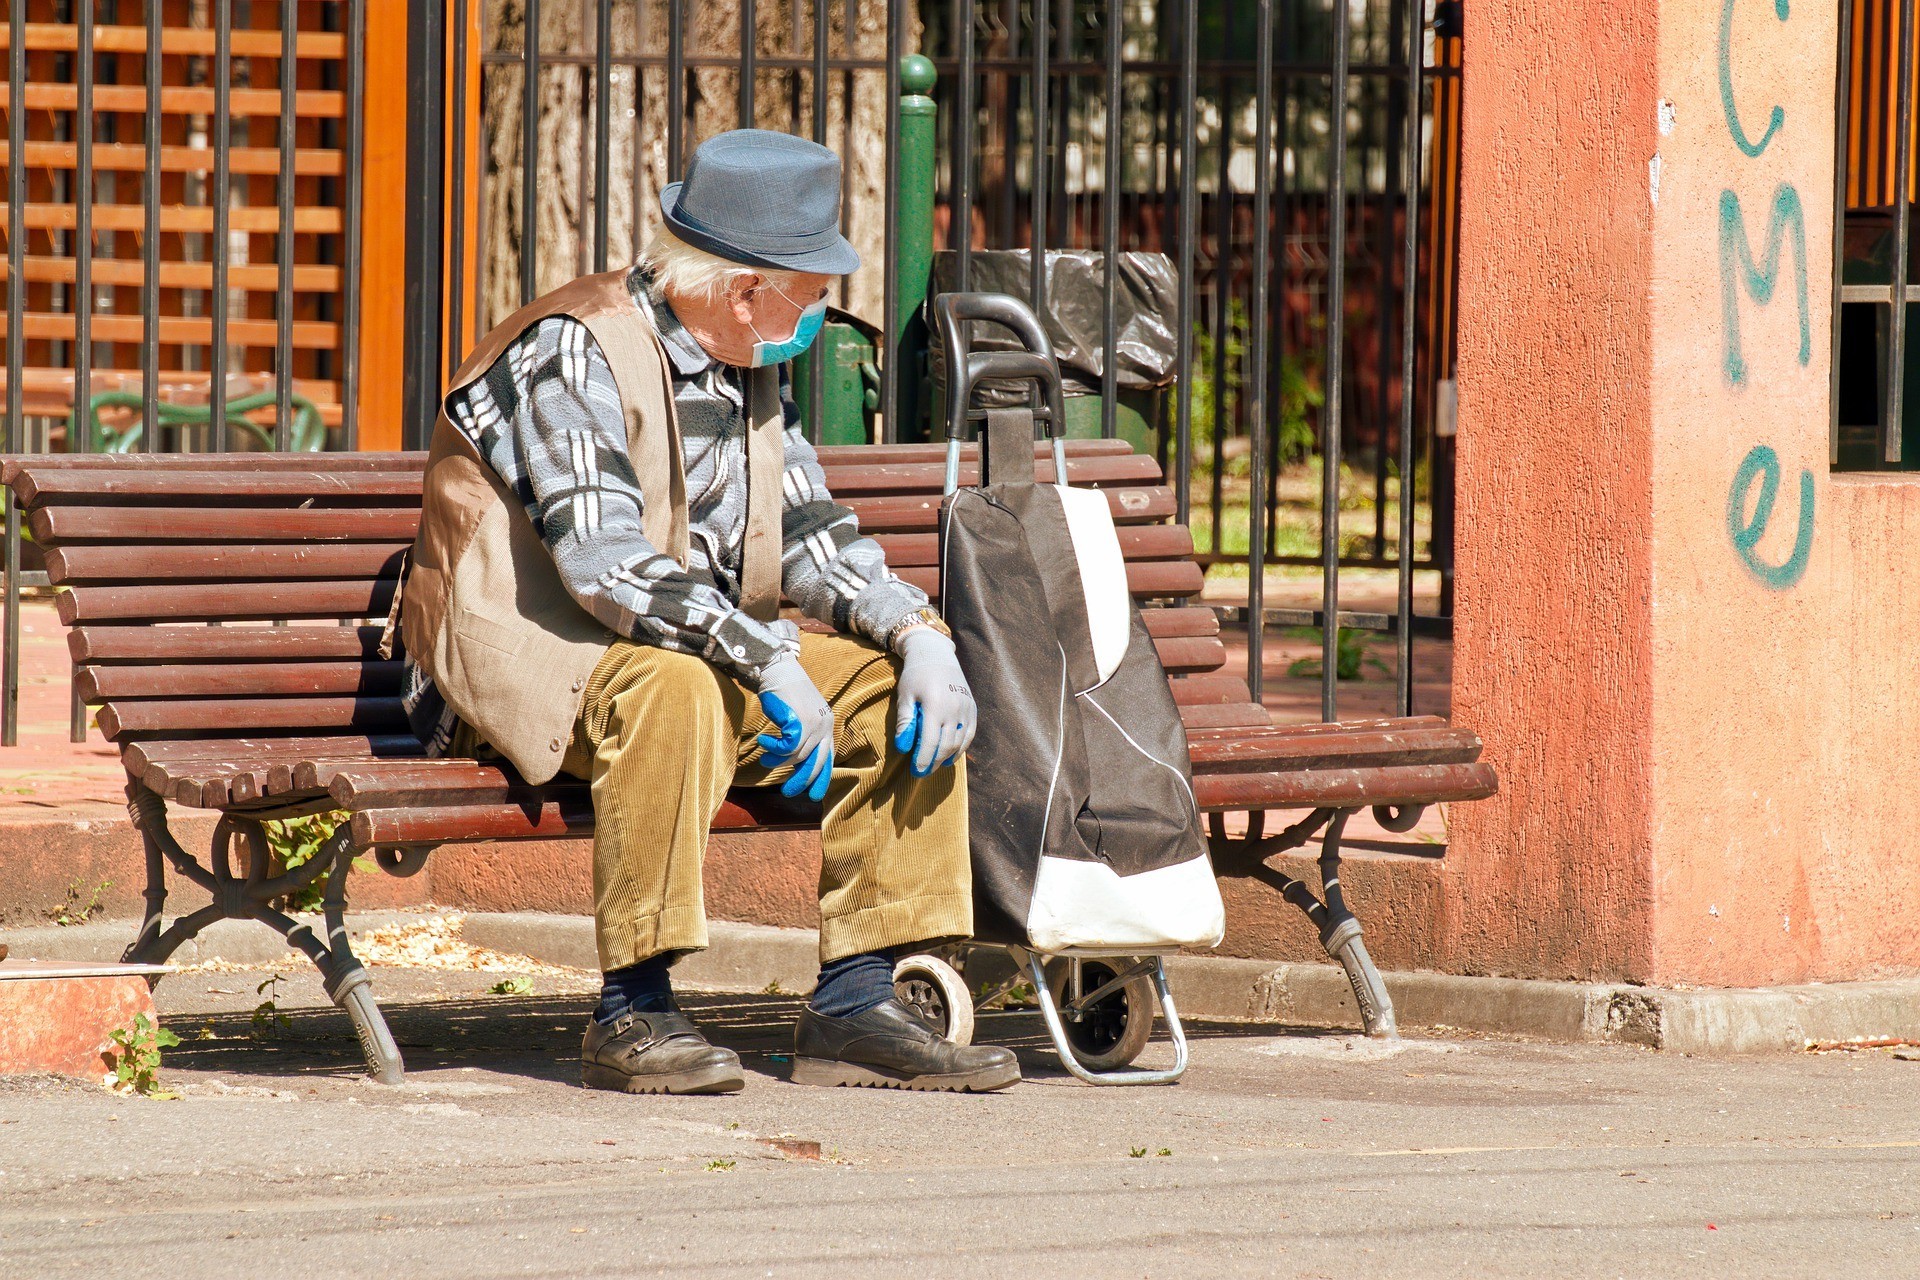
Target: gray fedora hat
x=762, y=199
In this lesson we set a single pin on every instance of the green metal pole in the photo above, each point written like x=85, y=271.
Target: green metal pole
x=912, y=264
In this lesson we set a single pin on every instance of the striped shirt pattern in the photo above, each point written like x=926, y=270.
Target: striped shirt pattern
x=547, y=419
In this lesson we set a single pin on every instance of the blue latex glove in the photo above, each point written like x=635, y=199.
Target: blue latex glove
x=804, y=725
x=934, y=715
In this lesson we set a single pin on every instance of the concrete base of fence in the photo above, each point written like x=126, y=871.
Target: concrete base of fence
x=751, y=958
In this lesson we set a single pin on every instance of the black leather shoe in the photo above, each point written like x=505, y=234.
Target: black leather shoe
x=655, y=1053
x=888, y=1048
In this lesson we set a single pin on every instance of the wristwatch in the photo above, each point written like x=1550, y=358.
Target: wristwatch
x=925, y=616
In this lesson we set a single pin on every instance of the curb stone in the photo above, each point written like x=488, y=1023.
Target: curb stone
x=760, y=958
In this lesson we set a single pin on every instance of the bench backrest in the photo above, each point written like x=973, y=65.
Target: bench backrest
x=294, y=558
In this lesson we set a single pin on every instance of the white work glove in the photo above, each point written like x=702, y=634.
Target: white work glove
x=803, y=724
x=934, y=717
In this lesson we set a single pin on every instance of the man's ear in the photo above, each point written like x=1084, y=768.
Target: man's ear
x=741, y=294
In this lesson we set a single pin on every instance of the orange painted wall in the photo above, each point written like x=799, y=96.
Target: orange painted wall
x=1553, y=647
x=1787, y=712
x=1705, y=730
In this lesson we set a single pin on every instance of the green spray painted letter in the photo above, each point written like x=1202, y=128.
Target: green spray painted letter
x=1763, y=464
x=1736, y=255
x=1776, y=117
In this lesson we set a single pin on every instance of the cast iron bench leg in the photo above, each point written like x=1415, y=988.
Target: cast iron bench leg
x=1340, y=932
x=251, y=897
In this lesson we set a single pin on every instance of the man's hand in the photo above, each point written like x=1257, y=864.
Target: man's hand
x=804, y=724
x=933, y=719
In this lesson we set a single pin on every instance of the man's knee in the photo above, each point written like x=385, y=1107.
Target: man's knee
x=669, y=692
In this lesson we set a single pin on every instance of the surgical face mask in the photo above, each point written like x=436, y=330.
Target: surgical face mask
x=805, y=330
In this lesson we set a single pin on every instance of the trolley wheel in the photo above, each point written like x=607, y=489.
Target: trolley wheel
x=936, y=994
x=1111, y=1032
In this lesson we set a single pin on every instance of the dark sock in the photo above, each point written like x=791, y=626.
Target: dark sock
x=853, y=985
x=641, y=988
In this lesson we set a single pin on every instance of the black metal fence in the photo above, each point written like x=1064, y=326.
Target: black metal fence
x=1274, y=151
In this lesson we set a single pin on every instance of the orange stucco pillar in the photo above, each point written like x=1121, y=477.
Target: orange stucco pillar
x=1691, y=647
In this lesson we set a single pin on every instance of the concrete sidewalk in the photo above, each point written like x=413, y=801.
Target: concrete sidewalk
x=1282, y=1153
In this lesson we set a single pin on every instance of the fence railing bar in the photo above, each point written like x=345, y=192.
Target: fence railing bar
x=677, y=87
x=283, y=241
x=16, y=351
x=150, y=242
x=749, y=44
x=1189, y=212
x=1113, y=181
x=1257, y=328
x=963, y=129
x=354, y=145
x=1222, y=310
x=1902, y=207
x=817, y=353
x=602, y=128
x=529, y=153
x=1330, y=447
x=1410, y=294
x=221, y=249
x=1842, y=106
x=457, y=197
x=1037, y=177
x=890, y=307
x=80, y=423
x=425, y=219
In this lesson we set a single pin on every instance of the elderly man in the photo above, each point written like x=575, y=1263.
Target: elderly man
x=617, y=495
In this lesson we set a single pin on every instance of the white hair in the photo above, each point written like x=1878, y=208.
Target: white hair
x=679, y=268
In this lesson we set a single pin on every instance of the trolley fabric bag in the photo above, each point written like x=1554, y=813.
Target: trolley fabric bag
x=1085, y=832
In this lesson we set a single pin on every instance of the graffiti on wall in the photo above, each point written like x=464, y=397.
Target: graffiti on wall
x=1776, y=117
x=1758, y=476
x=1762, y=466
x=1785, y=218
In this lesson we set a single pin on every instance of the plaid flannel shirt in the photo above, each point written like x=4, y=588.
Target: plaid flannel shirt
x=547, y=418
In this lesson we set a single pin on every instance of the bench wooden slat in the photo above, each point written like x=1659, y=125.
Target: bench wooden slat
x=106, y=644
x=1262, y=752
x=569, y=811
x=126, y=562
x=223, y=561
x=761, y=809
x=833, y=456
x=1190, y=691
x=37, y=486
x=1140, y=505
x=12, y=465
x=1222, y=715
x=1180, y=620
x=871, y=479
x=54, y=525
x=240, y=601
x=1190, y=655
x=187, y=716
x=1137, y=542
x=1344, y=788
x=1383, y=724
x=231, y=679
x=1168, y=579
x=137, y=643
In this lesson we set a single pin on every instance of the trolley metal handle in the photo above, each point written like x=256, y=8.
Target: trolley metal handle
x=954, y=314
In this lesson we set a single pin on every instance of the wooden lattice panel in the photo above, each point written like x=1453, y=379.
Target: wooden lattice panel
x=55, y=132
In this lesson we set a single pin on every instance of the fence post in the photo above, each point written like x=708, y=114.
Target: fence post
x=912, y=264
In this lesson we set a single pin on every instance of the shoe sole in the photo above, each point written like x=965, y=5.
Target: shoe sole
x=828, y=1074
x=716, y=1079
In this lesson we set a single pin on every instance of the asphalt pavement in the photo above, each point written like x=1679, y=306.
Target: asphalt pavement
x=1281, y=1153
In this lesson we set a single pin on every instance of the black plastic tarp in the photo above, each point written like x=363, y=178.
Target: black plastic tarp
x=1146, y=298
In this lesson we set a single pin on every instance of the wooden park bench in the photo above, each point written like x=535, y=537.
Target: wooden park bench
x=287, y=709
